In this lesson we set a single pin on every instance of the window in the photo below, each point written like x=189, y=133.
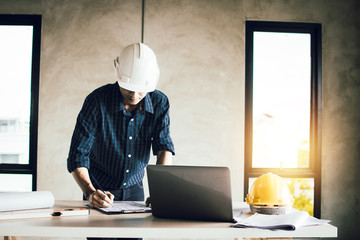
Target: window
x=283, y=107
x=19, y=93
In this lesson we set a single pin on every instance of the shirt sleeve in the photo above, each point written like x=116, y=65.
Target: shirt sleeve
x=83, y=136
x=161, y=137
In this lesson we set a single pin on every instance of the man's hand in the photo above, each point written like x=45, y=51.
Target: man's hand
x=148, y=202
x=95, y=197
x=98, y=199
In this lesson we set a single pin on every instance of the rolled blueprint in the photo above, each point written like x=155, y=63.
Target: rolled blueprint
x=11, y=201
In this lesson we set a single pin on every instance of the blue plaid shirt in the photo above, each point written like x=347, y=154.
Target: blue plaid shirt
x=113, y=143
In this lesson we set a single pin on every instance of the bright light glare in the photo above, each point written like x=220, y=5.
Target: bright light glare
x=15, y=82
x=15, y=182
x=281, y=100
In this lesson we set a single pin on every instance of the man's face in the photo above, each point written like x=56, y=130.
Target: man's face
x=130, y=97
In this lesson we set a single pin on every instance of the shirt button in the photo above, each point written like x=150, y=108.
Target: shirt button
x=124, y=184
x=130, y=137
x=127, y=171
x=129, y=156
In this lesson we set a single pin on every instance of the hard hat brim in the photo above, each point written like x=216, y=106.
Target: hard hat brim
x=135, y=88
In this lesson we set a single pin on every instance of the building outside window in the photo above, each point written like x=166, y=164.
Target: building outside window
x=19, y=91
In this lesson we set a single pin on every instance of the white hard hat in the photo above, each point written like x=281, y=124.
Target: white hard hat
x=136, y=69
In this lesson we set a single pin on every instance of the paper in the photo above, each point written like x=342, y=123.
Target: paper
x=34, y=213
x=126, y=207
x=44, y=212
x=12, y=201
x=289, y=221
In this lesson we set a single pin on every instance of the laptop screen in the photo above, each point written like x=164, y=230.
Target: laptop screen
x=190, y=192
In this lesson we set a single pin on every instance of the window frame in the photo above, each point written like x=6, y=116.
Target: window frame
x=314, y=170
x=31, y=167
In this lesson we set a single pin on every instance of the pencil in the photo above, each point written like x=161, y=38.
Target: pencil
x=97, y=183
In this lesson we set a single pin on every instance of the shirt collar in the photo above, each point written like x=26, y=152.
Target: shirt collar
x=146, y=103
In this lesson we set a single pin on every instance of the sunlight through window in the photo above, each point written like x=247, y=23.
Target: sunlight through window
x=20, y=41
x=15, y=81
x=281, y=100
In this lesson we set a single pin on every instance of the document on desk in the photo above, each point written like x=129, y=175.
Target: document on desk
x=44, y=212
x=120, y=207
x=289, y=221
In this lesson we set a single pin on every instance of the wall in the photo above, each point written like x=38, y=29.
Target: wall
x=201, y=56
x=80, y=41
x=200, y=49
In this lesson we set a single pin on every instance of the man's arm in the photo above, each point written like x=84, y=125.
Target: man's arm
x=95, y=197
x=164, y=157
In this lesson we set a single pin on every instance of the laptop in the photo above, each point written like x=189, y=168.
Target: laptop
x=190, y=192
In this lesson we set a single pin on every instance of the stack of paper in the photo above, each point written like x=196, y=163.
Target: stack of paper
x=15, y=205
x=40, y=213
x=289, y=221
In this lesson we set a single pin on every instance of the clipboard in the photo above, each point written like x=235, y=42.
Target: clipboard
x=124, y=207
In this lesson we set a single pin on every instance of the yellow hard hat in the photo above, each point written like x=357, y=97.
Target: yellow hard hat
x=269, y=194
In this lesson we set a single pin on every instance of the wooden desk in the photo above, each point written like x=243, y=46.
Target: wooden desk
x=142, y=225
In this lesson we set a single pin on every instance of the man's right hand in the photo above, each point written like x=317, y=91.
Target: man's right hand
x=95, y=197
x=98, y=199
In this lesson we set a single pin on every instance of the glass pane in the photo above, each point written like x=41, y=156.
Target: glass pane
x=302, y=190
x=281, y=100
x=15, y=82
x=15, y=182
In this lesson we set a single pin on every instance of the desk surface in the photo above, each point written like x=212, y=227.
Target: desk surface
x=141, y=225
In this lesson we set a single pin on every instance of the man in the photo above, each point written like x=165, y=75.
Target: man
x=116, y=128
